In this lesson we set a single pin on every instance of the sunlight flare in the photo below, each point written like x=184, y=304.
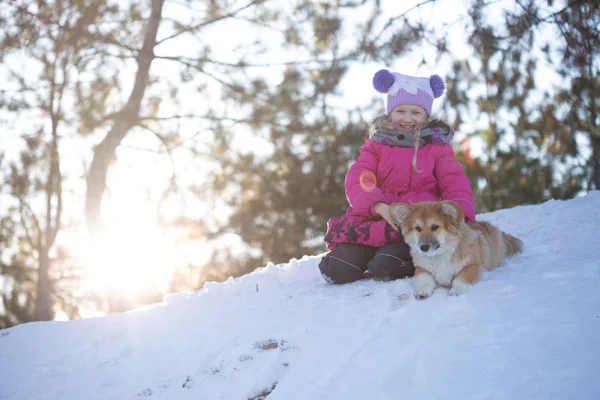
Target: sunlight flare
x=132, y=258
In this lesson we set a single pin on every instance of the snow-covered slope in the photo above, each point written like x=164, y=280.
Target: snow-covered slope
x=529, y=330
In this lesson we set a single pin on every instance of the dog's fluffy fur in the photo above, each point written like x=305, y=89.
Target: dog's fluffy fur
x=446, y=250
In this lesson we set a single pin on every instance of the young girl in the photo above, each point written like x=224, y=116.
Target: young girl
x=408, y=158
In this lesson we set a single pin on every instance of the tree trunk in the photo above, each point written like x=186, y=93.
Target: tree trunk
x=104, y=153
x=43, y=301
x=595, y=163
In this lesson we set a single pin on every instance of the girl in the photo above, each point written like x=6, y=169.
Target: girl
x=408, y=158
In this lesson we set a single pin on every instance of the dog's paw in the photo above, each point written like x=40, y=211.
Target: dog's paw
x=458, y=288
x=424, y=285
x=423, y=292
x=422, y=295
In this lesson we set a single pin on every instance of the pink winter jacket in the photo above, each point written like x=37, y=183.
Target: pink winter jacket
x=385, y=174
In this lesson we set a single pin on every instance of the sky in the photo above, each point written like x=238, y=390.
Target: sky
x=527, y=330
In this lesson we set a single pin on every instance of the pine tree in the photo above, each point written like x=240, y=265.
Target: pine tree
x=281, y=199
x=531, y=152
x=41, y=49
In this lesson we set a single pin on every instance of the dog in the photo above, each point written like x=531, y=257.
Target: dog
x=446, y=250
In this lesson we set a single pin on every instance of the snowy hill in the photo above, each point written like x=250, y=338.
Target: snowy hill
x=529, y=330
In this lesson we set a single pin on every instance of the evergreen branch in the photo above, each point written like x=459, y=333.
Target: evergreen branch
x=220, y=231
x=26, y=229
x=258, y=23
x=24, y=206
x=208, y=22
x=104, y=52
x=548, y=17
x=106, y=39
x=353, y=4
x=536, y=21
x=24, y=86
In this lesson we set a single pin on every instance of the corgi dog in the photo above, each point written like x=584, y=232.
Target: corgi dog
x=446, y=250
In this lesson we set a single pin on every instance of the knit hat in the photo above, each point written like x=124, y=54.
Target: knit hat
x=405, y=89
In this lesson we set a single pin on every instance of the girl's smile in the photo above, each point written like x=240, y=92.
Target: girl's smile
x=408, y=117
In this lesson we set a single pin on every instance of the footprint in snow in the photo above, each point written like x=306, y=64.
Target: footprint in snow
x=263, y=395
x=270, y=346
x=145, y=393
x=270, y=352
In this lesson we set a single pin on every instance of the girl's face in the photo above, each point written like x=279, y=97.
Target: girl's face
x=408, y=117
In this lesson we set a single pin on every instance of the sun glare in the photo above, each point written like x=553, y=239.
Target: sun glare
x=133, y=255
x=132, y=258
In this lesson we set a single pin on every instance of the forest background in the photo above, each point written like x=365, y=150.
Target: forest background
x=147, y=147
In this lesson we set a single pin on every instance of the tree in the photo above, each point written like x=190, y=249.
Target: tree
x=531, y=147
x=134, y=113
x=259, y=120
x=532, y=150
x=308, y=136
x=122, y=121
x=579, y=63
x=41, y=50
x=316, y=32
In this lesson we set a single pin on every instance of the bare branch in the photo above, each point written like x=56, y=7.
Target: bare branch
x=172, y=117
x=208, y=22
x=193, y=62
x=169, y=148
x=391, y=21
x=211, y=118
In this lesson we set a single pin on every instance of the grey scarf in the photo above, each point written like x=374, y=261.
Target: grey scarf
x=434, y=131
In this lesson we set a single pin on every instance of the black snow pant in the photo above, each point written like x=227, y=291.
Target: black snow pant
x=349, y=262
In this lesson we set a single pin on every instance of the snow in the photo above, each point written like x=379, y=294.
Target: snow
x=529, y=330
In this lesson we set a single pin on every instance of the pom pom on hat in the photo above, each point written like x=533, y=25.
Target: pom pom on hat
x=437, y=85
x=383, y=80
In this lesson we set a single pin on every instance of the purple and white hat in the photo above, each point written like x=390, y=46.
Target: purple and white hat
x=405, y=89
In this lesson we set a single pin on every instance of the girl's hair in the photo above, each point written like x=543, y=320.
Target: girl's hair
x=383, y=122
x=417, y=137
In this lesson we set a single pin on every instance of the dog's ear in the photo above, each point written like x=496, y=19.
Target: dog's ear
x=452, y=210
x=400, y=212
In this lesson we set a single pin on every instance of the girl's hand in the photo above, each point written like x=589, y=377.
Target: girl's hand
x=384, y=210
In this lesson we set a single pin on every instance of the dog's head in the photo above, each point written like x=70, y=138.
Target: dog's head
x=428, y=227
